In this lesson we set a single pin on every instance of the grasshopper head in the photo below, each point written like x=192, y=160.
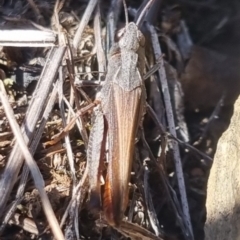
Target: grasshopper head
x=131, y=37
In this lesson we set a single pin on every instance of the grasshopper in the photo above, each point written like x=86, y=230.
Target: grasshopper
x=116, y=122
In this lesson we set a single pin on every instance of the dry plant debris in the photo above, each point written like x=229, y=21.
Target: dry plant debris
x=54, y=63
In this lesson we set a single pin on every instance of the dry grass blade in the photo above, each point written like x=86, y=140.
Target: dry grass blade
x=32, y=147
x=70, y=125
x=76, y=190
x=143, y=12
x=36, y=11
x=170, y=193
x=152, y=215
x=66, y=137
x=10, y=174
x=97, y=32
x=36, y=174
x=74, y=98
x=137, y=232
x=26, y=224
x=112, y=19
x=85, y=18
x=27, y=38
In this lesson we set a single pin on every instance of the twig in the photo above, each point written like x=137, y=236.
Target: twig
x=214, y=115
x=169, y=190
x=172, y=129
x=163, y=132
x=193, y=149
x=36, y=174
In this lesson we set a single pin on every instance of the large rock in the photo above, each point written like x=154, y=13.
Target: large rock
x=223, y=190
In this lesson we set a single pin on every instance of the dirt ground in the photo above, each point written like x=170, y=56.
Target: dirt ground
x=203, y=105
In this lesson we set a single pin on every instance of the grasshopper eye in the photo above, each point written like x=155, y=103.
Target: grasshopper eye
x=141, y=39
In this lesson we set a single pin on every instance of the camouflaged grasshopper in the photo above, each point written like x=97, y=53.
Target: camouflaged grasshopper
x=116, y=122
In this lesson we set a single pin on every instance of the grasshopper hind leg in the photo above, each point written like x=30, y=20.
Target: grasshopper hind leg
x=95, y=157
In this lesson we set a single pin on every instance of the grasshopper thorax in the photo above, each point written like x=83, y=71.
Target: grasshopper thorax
x=131, y=38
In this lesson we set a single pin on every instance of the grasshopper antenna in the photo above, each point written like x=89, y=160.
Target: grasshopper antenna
x=143, y=13
x=126, y=12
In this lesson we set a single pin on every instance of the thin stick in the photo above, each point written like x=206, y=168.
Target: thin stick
x=172, y=129
x=185, y=144
x=85, y=18
x=214, y=115
x=144, y=11
x=36, y=174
